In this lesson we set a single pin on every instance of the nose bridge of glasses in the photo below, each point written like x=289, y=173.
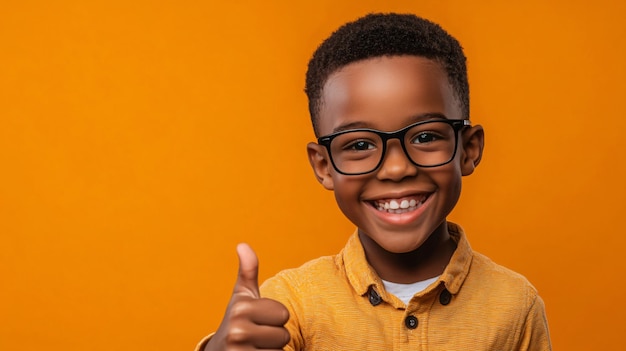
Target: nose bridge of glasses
x=394, y=141
x=394, y=148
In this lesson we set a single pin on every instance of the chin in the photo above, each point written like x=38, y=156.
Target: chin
x=401, y=242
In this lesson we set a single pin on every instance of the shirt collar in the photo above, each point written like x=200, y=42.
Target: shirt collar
x=457, y=270
x=362, y=276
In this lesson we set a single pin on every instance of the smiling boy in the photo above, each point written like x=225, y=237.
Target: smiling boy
x=389, y=102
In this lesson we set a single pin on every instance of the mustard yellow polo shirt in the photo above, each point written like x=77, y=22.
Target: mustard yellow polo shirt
x=339, y=303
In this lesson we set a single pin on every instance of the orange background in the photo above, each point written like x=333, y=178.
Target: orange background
x=141, y=140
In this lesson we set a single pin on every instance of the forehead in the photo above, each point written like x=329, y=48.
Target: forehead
x=385, y=93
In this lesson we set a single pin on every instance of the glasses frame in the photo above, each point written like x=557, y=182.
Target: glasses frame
x=456, y=124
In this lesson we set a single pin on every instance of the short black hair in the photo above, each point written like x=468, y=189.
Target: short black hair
x=386, y=34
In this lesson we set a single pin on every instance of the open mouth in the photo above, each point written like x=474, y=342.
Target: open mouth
x=402, y=205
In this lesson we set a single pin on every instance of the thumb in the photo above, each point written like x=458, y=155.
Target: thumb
x=248, y=276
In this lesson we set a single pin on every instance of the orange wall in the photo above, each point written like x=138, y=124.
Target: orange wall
x=140, y=141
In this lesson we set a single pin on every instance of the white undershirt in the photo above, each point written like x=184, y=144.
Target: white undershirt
x=406, y=291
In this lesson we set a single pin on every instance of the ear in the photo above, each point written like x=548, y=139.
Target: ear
x=473, y=142
x=318, y=157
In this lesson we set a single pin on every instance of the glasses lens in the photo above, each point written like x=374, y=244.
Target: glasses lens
x=356, y=152
x=430, y=144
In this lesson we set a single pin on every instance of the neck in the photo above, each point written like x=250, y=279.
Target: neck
x=427, y=261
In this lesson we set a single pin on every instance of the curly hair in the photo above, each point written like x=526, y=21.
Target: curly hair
x=386, y=34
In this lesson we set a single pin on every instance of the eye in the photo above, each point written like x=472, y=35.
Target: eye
x=424, y=137
x=360, y=145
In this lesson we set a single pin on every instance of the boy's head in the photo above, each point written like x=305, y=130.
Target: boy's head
x=389, y=102
x=377, y=35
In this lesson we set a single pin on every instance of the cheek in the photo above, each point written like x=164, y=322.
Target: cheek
x=348, y=194
x=449, y=180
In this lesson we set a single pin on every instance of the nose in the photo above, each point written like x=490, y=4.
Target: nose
x=396, y=164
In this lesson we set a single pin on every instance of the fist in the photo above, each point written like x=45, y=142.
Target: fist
x=250, y=322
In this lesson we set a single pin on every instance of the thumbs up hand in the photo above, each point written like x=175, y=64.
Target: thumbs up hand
x=250, y=322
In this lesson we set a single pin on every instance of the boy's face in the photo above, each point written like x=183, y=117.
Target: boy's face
x=387, y=94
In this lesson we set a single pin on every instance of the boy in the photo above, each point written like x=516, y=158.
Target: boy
x=389, y=101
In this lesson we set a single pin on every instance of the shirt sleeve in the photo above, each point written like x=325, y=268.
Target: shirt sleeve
x=535, y=334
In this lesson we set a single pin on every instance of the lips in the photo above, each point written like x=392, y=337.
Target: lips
x=400, y=205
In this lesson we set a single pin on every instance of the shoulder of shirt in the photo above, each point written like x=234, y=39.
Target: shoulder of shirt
x=314, y=273
x=500, y=278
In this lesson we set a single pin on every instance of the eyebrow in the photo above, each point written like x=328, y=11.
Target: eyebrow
x=413, y=119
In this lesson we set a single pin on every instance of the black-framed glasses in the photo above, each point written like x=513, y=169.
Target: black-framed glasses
x=429, y=143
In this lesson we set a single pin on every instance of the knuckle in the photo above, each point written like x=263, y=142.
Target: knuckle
x=286, y=336
x=285, y=314
x=237, y=336
x=242, y=309
x=281, y=311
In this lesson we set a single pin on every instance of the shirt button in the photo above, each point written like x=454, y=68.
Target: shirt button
x=411, y=322
x=375, y=299
x=445, y=297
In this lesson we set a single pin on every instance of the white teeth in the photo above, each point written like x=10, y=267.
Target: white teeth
x=403, y=206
